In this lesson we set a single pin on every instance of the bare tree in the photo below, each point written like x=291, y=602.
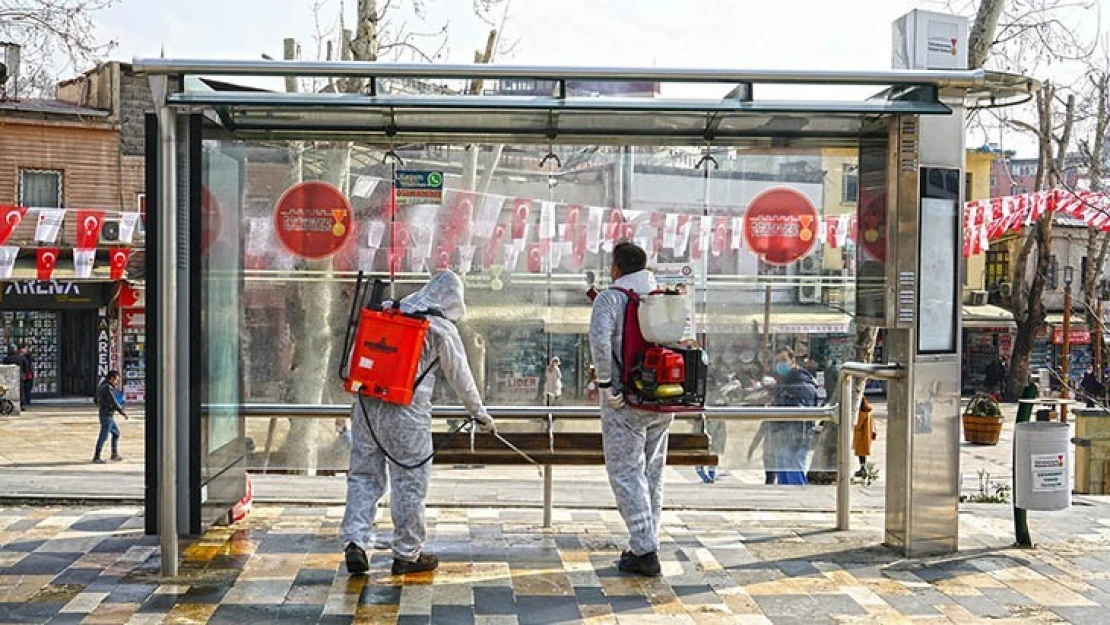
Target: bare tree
x=57, y=36
x=1092, y=151
x=1030, y=268
x=381, y=32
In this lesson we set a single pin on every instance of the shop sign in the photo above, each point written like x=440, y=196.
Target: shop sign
x=52, y=288
x=312, y=219
x=103, y=349
x=780, y=226
x=417, y=187
x=1079, y=336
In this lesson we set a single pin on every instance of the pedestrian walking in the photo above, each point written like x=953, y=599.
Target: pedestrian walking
x=1091, y=386
x=863, y=435
x=108, y=405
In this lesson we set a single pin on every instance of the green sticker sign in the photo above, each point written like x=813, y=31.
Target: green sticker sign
x=418, y=186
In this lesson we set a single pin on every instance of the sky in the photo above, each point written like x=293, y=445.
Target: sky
x=793, y=34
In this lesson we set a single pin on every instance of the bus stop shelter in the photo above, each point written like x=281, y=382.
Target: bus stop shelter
x=679, y=175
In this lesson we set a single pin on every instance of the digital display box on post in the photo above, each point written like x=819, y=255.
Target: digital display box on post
x=939, y=259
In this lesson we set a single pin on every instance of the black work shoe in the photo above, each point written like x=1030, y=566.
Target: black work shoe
x=357, y=564
x=117, y=458
x=646, y=565
x=98, y=461
x=426, y=562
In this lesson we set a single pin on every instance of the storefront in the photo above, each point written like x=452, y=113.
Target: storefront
x=1080, y=352
x=61, y=323
x=988, y=335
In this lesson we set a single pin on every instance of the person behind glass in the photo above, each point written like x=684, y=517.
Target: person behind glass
x=863, y=435
x=993, y=377
x=28, y=374
x=108, y=405
x=794, y=387
x=1091, y=386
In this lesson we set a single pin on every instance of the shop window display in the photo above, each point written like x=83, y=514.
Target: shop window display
x=37, y=330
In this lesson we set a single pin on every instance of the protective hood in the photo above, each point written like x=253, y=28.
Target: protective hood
x=640, y=282
x=444, y=293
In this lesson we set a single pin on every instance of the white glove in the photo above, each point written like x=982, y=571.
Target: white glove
x=485, y=423
x=615, y=399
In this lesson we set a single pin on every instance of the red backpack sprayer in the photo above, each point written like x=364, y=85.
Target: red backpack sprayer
x=383, y=347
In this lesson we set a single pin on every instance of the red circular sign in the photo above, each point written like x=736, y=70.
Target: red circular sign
x=781, y=226
x=872, y=223
x=312, y=219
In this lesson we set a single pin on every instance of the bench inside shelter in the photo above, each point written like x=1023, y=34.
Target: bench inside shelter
x=559, y=448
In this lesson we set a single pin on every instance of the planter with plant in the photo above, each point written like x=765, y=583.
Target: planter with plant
x=982, y=420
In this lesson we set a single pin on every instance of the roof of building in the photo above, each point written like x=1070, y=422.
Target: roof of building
x=50, y=106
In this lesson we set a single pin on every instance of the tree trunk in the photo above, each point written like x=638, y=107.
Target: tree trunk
x=982, y=32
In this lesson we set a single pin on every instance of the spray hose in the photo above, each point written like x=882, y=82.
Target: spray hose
x=469, y=420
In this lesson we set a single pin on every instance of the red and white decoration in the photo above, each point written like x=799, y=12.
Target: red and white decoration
x=49, y=224
x=47, y=260
x=89, y=223
x=119, y=257
x=83, y=261
x=8, y=254
x=987, y=220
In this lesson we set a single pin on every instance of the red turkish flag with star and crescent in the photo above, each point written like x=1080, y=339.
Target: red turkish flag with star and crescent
x=47, y=260
x=88, y=224
x=10, y=217
x=119, y=257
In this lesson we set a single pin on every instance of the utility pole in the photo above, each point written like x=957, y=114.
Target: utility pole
x=1066, y=347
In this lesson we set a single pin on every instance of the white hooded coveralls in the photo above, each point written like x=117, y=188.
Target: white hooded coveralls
x=406, y=431
x=635, y=441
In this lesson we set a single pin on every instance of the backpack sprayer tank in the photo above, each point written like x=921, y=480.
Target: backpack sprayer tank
x=383, y=348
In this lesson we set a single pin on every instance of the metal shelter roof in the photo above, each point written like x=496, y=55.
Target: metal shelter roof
x=738, y=117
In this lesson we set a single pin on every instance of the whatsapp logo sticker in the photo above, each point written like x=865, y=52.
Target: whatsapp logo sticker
x=435, y=179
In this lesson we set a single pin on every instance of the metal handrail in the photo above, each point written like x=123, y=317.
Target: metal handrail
x=848, y=371
x=737, y=413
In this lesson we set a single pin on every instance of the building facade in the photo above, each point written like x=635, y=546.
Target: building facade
x=79, y=151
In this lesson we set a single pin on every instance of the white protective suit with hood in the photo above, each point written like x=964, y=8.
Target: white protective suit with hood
x=635, y=441
x=406, y=431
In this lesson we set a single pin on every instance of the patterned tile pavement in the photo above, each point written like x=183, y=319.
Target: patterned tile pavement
x=283, y=565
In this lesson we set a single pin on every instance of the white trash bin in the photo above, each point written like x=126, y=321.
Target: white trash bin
x=1041, y=472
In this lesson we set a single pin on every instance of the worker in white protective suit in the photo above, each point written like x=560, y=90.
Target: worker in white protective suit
x=635, y=441
x=397, y=450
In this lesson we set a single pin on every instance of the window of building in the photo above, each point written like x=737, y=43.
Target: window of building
x=40, y=188
x=1051, y=280
x=849, y=186
x=998, y=267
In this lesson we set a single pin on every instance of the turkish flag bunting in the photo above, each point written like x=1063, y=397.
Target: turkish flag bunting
x=47, y=260
x=89, y=223
x=10, y=216
x=119, y=257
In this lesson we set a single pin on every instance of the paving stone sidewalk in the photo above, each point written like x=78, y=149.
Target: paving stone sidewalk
x=283, y=565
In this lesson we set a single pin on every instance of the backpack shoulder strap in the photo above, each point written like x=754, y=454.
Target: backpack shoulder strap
x=632, y=295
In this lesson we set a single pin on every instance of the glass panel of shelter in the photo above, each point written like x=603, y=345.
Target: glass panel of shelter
x=529, y=240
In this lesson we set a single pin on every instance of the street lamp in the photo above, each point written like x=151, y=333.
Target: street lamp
x=1069, y=274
